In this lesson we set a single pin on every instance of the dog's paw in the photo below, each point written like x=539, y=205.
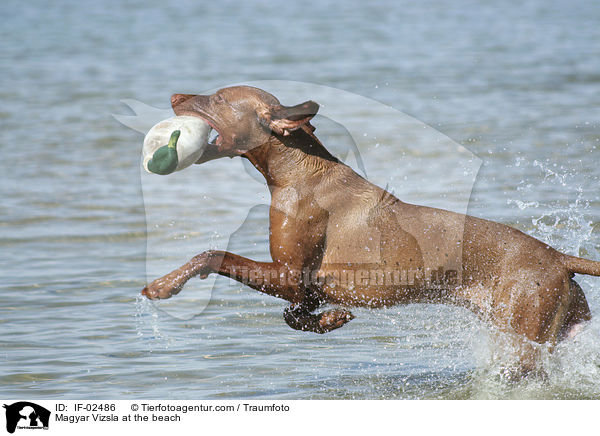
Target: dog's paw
x=334, y=319
x=163, y=288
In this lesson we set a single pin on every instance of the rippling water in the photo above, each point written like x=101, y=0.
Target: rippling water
x=518, y=85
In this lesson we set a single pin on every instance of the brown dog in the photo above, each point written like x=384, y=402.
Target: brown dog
x=336, y=238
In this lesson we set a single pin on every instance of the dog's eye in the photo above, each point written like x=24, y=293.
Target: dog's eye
x=219, y=98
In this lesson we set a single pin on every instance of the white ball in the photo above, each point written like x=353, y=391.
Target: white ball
x=190, y=146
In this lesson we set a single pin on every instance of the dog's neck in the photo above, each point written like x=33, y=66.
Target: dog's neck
x=287, y=160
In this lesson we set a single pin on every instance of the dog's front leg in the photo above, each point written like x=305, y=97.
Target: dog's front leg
x=268, y=277
x=299, y=317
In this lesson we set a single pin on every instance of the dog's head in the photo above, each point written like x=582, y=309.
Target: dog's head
x=243, y=117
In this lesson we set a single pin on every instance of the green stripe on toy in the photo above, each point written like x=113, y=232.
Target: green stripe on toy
x=164, y=160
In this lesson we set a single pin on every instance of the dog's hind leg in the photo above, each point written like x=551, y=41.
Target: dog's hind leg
x=532, y=313
x=577, y=314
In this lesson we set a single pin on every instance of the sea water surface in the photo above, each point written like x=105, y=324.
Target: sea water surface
x=82, y=229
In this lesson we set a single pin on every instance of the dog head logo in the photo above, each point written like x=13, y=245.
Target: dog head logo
x=24, y=414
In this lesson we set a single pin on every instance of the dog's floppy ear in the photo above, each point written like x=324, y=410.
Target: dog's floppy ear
x=285, y=119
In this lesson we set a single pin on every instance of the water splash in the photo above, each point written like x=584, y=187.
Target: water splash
x=147, y=324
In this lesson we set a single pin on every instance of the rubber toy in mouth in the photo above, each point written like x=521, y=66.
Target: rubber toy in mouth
x=186, y=138
x=164, y=161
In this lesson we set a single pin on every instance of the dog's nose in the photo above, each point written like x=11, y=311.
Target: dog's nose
x=177, y=99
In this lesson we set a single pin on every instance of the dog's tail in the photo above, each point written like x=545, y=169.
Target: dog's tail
x=582, y=266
